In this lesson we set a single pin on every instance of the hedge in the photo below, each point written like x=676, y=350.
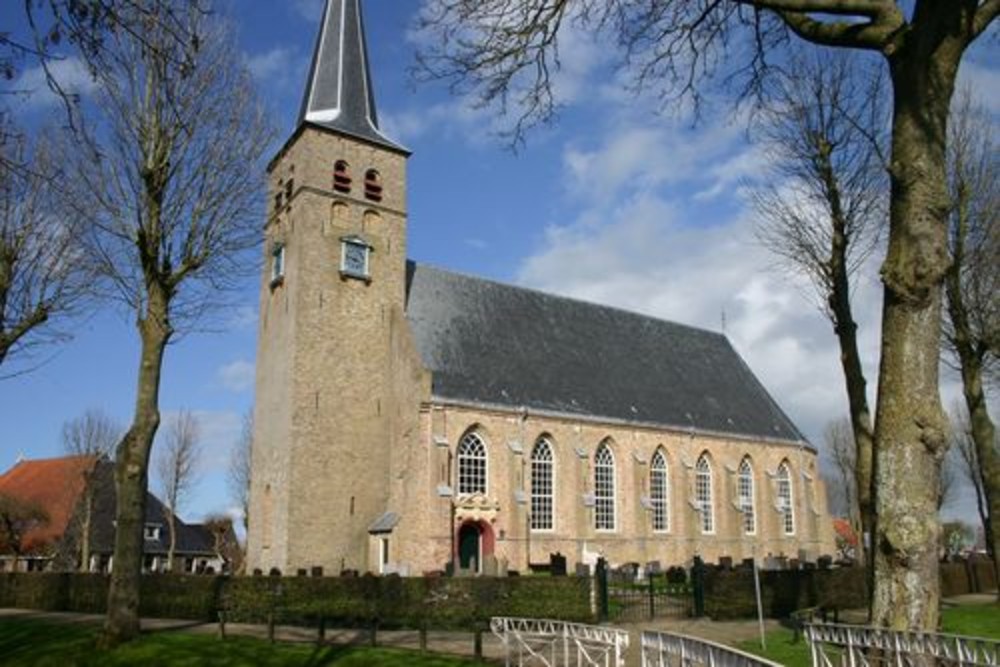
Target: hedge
x=437, y=603
x=729, y=594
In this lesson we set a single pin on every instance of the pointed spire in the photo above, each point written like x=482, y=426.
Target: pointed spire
x=339, y=93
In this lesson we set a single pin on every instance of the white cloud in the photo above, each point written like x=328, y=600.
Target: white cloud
x=237, y=375
x=272, y=65
x=983, y=81
x=310, y=10
x=71, y=74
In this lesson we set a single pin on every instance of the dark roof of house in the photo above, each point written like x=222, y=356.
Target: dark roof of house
x=339, y=93
x=192, y=539
x=495, y=344
x=53, y=485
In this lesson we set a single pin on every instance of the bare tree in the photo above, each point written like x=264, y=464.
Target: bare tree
x=17, y=518
x=93, y=433
x=505, y=52
x=822, y=208
x=963, y=448
x=224, y=543
x=239, y=471
x=972, y=324
x=43, y=276
x=177, y=467
x=173, y=201
x=838, y=440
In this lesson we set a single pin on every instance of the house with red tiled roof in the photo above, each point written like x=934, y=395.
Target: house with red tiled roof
x=76, y=495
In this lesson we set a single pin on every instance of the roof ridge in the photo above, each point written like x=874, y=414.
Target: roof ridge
x=571, y=299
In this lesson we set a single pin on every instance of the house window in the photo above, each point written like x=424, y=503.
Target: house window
x=277, y=263
x=785, y=504
x=373, y=185
x=744, y=496
x=604, y=488
x=472, y=464
x=542, y=486
x=354, y=257
x=151, y=532
x=341, y=176
x=703, y=494
x=659, y=492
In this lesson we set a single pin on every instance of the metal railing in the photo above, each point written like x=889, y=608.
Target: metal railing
x=529, y=641
x=666, y=649
x=859, y=646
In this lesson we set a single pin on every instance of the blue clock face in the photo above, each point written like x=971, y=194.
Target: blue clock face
x=355, y=259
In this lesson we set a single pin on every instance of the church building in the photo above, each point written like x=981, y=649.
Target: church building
x=409, y=418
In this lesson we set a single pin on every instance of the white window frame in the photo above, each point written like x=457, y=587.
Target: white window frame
x=277, y=263
x=467, y=480
x=704, y=494
x=605, y=491
x=543, y=503
x=659, y=491
x=745, y=496
x=786, y=498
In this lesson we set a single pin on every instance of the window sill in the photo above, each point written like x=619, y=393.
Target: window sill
x=350, y=275
x=277, y=282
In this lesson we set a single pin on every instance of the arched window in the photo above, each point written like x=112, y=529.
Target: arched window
x=604, y=488
x=659, y=492
x=785, y=504
x=341, y=176
x=542, y=487
x=472, y=464
x=703, y=493
x=744, y=494
x=373, y=185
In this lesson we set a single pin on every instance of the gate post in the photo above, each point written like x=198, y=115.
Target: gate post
x=602, y=590
x=698, y=586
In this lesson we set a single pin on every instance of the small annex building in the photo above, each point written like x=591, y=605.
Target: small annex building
x=411, y=419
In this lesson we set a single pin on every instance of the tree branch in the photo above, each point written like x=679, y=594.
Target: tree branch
x=984, y=16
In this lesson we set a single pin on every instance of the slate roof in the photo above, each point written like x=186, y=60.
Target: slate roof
x=339, y=93
x=52, y=484
x=495, y=344
x=192, y=539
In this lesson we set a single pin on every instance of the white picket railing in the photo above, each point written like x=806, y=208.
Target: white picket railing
x=666, y=649
x=859, y=646
x=530, y=641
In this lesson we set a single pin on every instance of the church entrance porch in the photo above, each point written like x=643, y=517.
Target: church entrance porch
x=474, y=543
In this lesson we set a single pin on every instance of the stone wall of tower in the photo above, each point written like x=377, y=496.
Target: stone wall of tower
x=329, y=420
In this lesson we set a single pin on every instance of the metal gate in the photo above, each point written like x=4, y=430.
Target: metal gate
x=632, y=599
x=834, y=645
x=530, y=641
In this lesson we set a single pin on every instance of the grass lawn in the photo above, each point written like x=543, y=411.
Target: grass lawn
x=974, y=620
x=25, y=642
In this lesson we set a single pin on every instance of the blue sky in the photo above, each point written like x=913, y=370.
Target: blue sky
x=617, y=203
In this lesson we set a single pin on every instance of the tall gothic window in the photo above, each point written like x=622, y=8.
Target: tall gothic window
x=785, y=504
x=542, y=487
x=472, y=464
x=703, y=493
x=604, y=488
x=659, y=492
x=744, y=494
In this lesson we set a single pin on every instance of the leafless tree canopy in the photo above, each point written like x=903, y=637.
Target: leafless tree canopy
x=17, y=517
x=44, y=277
x=824, y=131
x=974, y=172
x=173, y=195
x=92, y=433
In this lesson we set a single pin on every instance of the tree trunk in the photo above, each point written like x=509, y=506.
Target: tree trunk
x=131, y=475
x=910, y=425
x=839, y=300
x=85, y=529
x=172, y=525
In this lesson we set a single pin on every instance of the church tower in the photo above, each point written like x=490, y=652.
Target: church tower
x=331, y=320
